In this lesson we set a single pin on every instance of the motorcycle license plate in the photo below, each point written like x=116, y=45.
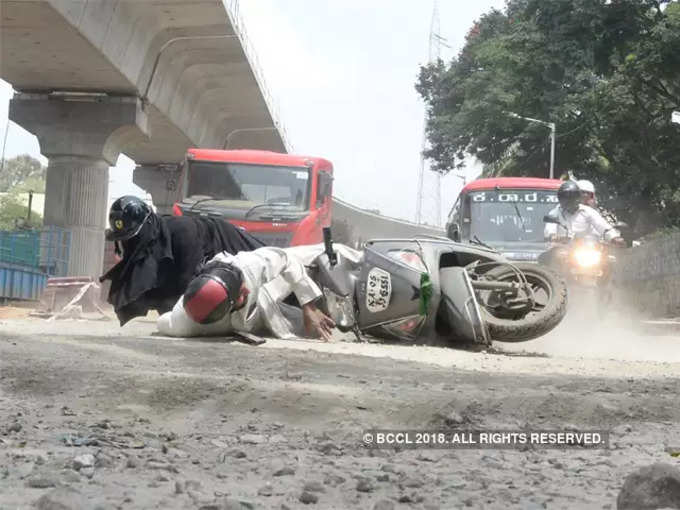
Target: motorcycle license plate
x=592, y=273
x=378, y=290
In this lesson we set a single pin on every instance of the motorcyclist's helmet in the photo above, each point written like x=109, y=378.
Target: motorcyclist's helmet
x=213, y=293
x=586, y=186
x=126, y=218
x=587, y=191
x=569, y=196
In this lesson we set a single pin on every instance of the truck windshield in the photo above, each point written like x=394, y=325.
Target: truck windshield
x=510, y=215
x=247, y=186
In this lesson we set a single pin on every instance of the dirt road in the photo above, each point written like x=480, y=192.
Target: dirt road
x=118, y=418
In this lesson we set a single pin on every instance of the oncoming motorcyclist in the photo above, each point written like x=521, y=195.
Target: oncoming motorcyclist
x=578, y=217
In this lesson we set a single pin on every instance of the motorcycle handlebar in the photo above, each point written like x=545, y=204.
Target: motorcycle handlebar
x=328, y=246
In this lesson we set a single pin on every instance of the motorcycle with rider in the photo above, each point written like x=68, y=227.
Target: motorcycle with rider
x=584, y=246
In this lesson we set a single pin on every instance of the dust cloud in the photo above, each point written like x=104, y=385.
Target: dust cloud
x=620, y=333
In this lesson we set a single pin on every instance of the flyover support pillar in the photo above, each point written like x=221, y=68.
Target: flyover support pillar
x=80, y=135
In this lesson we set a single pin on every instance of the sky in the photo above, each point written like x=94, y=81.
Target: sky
x=342, y=73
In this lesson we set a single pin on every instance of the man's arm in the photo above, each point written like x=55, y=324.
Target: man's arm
x=307, y=292
x=549, y=231
x=600, y=225
x=295, y=279
x=293, y=272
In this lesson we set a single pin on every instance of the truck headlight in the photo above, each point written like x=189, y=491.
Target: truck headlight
x=587, y=256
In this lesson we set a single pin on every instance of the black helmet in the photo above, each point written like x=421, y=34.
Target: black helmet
x=213, y=293
x=569, y=196
x=126, y=217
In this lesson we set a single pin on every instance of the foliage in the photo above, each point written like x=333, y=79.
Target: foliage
x=21, y=172
x=606, y=72
x=14, y=213
x=20, y=175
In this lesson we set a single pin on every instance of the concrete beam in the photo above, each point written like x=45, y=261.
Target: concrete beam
x=85, y=125
x=186, y=60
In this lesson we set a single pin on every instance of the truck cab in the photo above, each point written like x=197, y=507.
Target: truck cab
x=281, y=199
x=505, y=213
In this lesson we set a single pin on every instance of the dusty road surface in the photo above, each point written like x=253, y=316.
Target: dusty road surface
x=96, y=416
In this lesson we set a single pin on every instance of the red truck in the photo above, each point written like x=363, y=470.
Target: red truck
x=281, y=199
x=506, y=213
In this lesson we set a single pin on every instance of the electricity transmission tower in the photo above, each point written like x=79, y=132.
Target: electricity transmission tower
x=434, y=52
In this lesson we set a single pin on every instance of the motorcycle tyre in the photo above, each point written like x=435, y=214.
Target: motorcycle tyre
x=538, y=323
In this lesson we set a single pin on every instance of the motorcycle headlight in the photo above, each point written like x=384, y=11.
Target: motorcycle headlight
x=587, y=256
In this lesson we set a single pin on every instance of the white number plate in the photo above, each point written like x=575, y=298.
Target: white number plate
x=378, y=290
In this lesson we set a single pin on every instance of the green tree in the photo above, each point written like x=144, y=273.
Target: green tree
x=19, y=176
x=13, y=213
x=21, y=170
x=607, y=73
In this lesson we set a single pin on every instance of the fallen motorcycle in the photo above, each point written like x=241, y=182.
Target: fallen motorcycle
x=435, y=291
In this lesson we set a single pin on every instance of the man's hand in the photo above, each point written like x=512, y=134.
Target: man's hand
x=317, y=323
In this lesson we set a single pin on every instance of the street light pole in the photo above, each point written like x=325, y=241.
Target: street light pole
x=552, y=149
x=553, y=131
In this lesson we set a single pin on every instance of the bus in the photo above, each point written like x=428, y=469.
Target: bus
x=505, y=213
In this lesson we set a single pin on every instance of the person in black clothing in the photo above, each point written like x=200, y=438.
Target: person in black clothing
x=161, y=254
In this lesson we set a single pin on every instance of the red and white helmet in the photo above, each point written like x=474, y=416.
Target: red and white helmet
x=213, y=292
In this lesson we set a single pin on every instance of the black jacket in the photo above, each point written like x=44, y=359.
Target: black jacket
x=161, y=260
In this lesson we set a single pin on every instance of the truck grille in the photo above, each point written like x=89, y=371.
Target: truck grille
x=280, y=239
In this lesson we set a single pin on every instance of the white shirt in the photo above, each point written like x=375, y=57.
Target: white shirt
x=270, y=274
x=584, y=220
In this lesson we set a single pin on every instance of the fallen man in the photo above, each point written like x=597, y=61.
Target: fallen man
x=161, y=254
x=246, y=292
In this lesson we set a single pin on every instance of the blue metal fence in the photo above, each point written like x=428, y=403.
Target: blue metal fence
x=21, y=282
x=28, y=258
x=21, y=247
x=54, y=250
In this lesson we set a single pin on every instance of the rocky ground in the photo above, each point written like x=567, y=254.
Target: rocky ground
x=94, y=416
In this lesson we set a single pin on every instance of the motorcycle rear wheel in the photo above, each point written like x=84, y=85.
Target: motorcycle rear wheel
x=542, y=318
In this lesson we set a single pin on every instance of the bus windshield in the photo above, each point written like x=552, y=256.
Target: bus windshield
x=245, y=186
x=510, y=215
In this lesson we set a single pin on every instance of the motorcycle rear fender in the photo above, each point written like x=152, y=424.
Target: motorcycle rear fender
x=461, y=307
x=438, y=254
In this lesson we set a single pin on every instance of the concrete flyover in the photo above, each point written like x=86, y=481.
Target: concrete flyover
x=146, y=78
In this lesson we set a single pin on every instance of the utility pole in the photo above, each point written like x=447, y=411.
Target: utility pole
x=553, y=129
x=434, y=52
x=4, y=146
